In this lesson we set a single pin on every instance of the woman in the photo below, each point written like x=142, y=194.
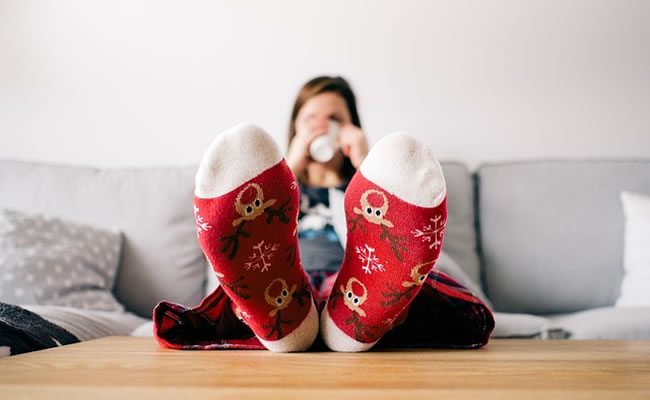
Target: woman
x=281, y=282
x=320, y=102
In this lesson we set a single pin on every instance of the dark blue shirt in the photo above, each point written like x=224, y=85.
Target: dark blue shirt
x=320, y=247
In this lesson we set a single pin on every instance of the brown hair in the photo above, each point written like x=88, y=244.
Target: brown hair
x=324, y=84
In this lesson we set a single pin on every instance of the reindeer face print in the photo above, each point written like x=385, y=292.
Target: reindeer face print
x=250, y=203
x=374, y=206
x=419, y=274
x=353, y=300
x=278, y=295
x=238, y=314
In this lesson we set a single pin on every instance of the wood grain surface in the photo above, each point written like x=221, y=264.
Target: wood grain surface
x=129, y=367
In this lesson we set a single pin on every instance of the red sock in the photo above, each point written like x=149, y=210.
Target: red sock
x=246, y=206
x=396, y=210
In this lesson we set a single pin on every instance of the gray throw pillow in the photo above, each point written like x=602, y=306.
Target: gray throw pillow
x=47, y=261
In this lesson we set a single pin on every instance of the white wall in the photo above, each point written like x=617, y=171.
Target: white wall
x=150, y=82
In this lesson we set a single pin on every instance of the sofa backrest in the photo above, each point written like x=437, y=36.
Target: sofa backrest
x=152, y=207
x=460, y=232
x=551, y=232
x=161, y=259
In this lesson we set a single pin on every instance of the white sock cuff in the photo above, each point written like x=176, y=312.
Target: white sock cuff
x=235, y=157
x=407, y=168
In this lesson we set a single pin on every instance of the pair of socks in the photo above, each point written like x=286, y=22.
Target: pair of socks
x=246, y=207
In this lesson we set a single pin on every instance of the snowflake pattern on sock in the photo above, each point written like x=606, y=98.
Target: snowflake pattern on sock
x=435, y=231
x=261, y=257
x=201, y=225
x=370, y=260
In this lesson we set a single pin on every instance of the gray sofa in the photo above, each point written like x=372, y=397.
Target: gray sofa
x=540, y=241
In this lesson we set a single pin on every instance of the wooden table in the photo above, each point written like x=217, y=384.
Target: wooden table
x=128, y=367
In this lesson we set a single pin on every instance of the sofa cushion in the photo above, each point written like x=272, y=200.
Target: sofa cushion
x=520, y=326
x=606, y=323
x=89, y=324
x=460, y=232
x=552, y=232
x=161, y=259
x=635, y=288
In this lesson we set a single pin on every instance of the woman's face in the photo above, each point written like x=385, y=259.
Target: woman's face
x=314, y=115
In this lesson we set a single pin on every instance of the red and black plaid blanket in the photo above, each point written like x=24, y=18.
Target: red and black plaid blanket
x=443, y=315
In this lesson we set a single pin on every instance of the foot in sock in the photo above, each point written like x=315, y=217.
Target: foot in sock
x=246, y=206
x=396, y=210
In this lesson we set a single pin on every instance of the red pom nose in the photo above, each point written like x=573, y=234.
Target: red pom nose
x=375, y=200
x=424, y=269
x=275, y=289
x=249, y=195
x=357, y=289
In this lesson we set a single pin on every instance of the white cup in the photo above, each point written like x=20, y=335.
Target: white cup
x=323, y=148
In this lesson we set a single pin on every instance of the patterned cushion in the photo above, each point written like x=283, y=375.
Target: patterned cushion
x=49, y=261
